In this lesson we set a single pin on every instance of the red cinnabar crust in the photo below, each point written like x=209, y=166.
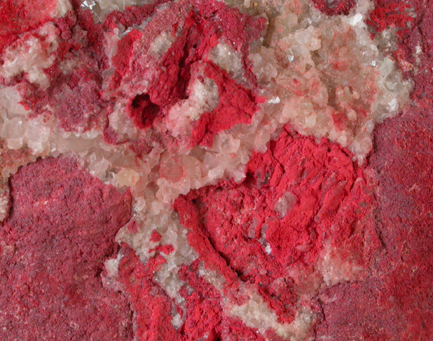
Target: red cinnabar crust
x=245, y=232
x=334, y=7
x=396, y=302
x=53, y=245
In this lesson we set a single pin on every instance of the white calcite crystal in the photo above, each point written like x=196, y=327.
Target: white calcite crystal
x=256, y=314
x=101, y=8
x=285, y=203
x=161, y=44
x=335, y=268
x=203, y=96
x=4, y=202
x=330, y=78
x=229, y=60
x=62, y=7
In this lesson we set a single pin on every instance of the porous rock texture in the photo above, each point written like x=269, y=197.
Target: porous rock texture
x=395, y=302
x=59, y=231
x=216, y=170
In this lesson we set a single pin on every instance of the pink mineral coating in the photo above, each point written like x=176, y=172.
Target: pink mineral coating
x=60, y=231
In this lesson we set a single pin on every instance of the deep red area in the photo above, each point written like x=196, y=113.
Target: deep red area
x=390, y=15
x=125, y=53
x=19, y=16
x=143, y=112
x=201, y=26
x=237, y=106
x=154, y=310
x=334, y=7
x=396, y=302
x=76, y=97
x=205, y=314
x=230, y=224
x=150, y=303
x=204, y=310
x=53, y=245
x=155, y=237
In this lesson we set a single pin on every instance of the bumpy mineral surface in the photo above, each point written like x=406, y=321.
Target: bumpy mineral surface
x=216, y=170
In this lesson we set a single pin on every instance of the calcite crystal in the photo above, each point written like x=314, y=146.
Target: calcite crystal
x=215, y=170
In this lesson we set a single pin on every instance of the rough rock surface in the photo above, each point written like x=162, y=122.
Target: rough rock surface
x=53, y=247
x=395, y=302
x=251, y=202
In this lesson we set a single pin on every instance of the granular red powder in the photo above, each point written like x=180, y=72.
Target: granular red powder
x=237, y=106
x=232, y=225
x=334, y=7
x=154, y=309
x=396, y=302
x=150, y=303
x=53, y=245
x=19, y=16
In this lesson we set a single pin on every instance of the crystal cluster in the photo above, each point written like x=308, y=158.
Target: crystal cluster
x=327, y=75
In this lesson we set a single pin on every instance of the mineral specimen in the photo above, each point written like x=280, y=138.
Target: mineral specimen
x=215, y=170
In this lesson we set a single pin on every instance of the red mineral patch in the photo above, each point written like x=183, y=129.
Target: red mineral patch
x=53, y=245
x=204, y=317
x=237, y=106
x=396, y=302
x=334, y=7
x=143, y=112
x=150, y=303
x=306, y=228
x=390, y=15
x=195, y=28
x=19, y=16
x=296, y=197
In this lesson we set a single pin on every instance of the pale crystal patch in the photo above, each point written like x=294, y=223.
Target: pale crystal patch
x=120, y=122
x=256, y=314
x=4, y=201
x=62, y=7
x=126, y=177
x=285, y=203
x=228, y=59
x=319, y=99
x=335, y=269
x=203, y=97
x=101, y=8
x=112, y=266
x=110, y=278
x=161, y=44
